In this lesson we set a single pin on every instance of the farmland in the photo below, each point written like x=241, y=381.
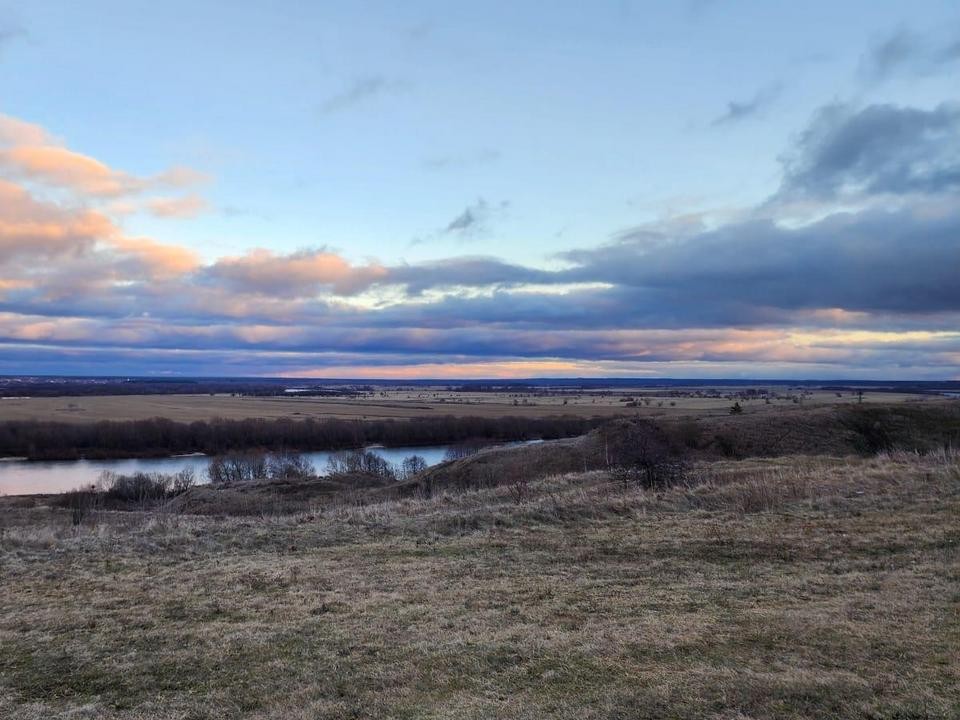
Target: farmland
x=426, y=402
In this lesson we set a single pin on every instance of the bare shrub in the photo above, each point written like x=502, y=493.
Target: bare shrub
x=83, y=504
x=136, y=488
x=182, y=481
x=519, y=489
x=237, y=468
x=289, y=466
x=461, y=451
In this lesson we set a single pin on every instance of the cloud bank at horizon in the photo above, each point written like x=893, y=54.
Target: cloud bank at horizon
x=850, y=268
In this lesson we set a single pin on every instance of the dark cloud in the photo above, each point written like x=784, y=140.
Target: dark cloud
x=466, y=220
x=760, y=272
x=361, y=90
x=741, y=110
x=464, y=271
x=891, y=54
x=475, y=219
x=877, y=149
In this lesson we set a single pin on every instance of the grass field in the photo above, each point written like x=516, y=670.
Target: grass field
x=403, y=404
x=779, y=588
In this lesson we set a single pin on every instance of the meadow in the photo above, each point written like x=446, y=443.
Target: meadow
x=794, y=587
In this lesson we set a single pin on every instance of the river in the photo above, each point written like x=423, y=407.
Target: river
x=22, y=477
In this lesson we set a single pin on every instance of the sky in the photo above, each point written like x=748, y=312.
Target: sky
x=480, y=190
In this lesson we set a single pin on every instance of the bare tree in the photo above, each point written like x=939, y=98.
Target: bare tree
x=412, y=465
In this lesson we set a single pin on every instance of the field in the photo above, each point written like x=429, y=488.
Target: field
x=422, y=402
x=776, y=588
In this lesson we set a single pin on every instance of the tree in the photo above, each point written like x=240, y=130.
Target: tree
x=412, y=465
x=361, y=462
x=237, y=467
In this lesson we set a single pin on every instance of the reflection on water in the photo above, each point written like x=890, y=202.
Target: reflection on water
x=19, y=477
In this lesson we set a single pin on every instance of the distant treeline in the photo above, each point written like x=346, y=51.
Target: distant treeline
x=41, y=440
x=52, y=386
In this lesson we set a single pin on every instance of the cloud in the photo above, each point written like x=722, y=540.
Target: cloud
x=303, y=273
x=160, y=260
x=760, y=272
x=891, y=54
x=877, y=149
x=14, y=131
x=63, y=168
x=466, y=220
x=822, y=286
x=361, y=90
x=903, y=51
x=463, y=272
x=738, y=111
x=29, y=153
x=189, y=206
x=32, y=228
x=475, y=218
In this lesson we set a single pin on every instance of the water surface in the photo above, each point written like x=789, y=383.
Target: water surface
x=21, y=477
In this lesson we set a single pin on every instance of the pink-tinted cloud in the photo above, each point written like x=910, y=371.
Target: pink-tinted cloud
x=31, y=154
x=189, y=206
x=31, y=227
x=302, y=273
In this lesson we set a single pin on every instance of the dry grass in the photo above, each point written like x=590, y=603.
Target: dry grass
x=787, y=588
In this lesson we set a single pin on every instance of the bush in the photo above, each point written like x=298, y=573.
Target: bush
x=289, y=466
x=462, y=450
x=120, y=491
x=82, y=504
x=727, y=445
x=641, y=452
x=138, y=488
x=690, y=433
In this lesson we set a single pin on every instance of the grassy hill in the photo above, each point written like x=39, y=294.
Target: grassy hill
x=791, y=587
